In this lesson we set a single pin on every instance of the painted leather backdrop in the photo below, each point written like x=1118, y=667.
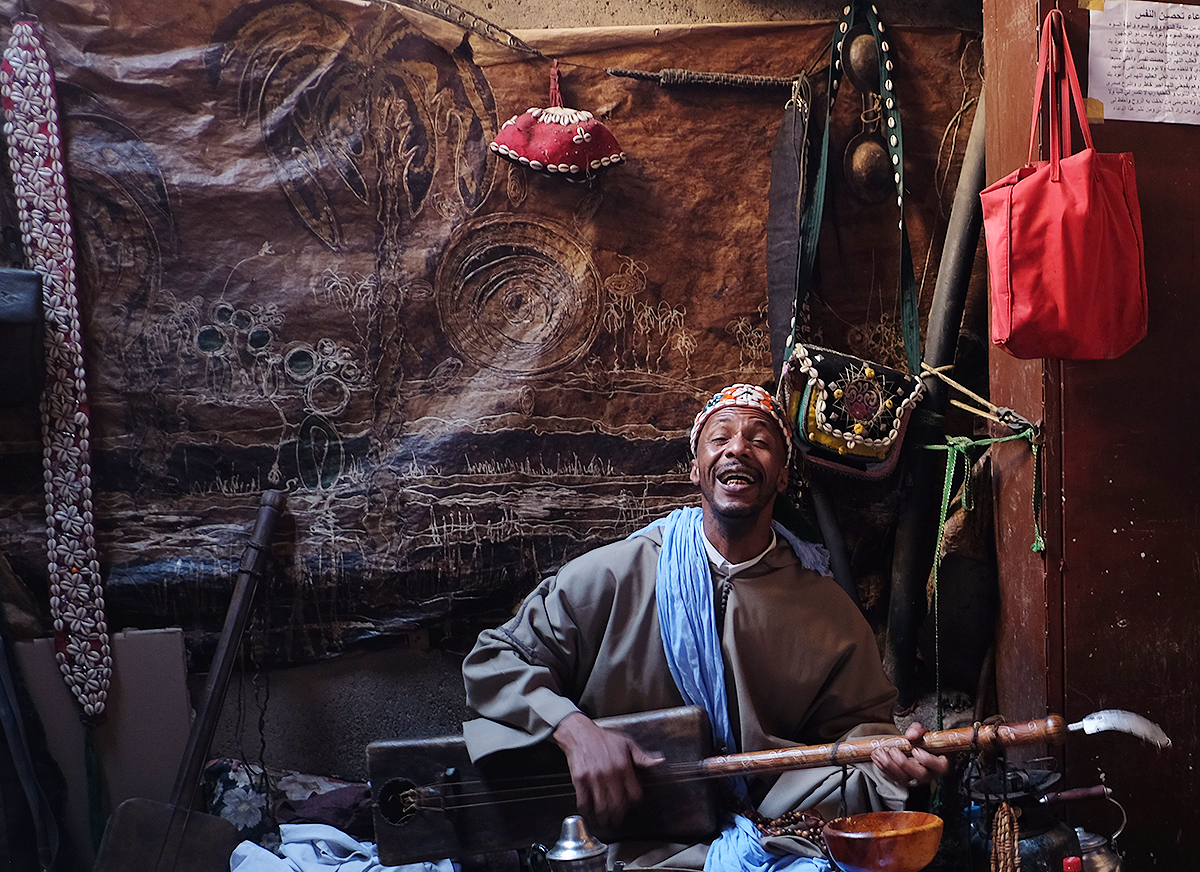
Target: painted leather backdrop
x=302, y=269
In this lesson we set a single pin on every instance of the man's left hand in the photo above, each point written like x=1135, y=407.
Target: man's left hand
x=921, y=768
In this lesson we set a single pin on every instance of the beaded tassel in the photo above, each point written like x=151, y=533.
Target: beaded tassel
x=1004, y=840
x=35, y=151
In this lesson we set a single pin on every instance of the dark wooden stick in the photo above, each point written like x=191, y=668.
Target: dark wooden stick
x=209, y=710
x=1075, y=793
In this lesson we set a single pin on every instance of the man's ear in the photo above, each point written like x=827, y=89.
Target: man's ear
x=783, y=478
x=695, y=472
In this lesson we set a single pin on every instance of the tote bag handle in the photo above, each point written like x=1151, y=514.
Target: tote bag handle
x=1059, y=105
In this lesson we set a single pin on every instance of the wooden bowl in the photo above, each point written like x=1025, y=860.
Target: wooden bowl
x=884, y=841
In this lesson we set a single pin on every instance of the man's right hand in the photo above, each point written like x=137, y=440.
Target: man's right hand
x=603, y=767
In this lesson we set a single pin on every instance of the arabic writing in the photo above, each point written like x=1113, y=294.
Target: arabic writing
x=1144, y=61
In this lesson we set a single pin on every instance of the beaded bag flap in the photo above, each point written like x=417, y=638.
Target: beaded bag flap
x=848, y=414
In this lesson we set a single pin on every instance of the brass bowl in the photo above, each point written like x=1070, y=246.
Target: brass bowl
x=884, y=841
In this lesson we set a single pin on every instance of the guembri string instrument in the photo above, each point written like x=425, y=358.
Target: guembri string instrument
x=431, y=802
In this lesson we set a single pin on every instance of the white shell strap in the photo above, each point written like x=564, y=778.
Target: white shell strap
x=36, y=156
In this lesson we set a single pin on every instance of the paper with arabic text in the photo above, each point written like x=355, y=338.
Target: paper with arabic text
x=1144, y=62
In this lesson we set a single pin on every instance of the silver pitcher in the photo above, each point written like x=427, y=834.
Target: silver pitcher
x=1097, y=852
x=575, y=851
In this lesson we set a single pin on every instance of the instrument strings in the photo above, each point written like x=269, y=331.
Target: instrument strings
x=531, y=788
x=474, y=793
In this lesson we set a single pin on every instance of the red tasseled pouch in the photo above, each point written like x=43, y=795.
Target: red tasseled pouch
x=566, y=142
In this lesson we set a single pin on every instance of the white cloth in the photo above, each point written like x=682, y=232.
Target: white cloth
x=321, y=848
x=723, y=566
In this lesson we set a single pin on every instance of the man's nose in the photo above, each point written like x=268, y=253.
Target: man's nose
x=737, y=444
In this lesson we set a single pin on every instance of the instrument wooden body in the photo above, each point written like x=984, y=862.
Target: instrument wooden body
x=512, y=799
x=431, y=802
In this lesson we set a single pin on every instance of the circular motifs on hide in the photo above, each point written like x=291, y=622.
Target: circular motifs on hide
x=518, y=294
x=319, y=453
x=327, y=395
x=211, y=339
x=300, y=361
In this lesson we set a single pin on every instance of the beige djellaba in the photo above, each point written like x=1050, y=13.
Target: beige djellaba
x=802, y=667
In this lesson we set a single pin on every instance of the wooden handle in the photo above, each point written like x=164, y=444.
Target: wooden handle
x=1052, y=729
x=1075, y=793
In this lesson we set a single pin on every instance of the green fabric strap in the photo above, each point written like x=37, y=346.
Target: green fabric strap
x=810, y=225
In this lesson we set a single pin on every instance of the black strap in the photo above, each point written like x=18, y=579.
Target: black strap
x=843, y=802
x=44, y=825
x=785, y=211
x=814, y=213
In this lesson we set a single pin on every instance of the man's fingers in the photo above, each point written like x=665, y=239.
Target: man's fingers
x=922, y=767
x=632, y=788
x=584, y=799
x=934, y=763
x=604, y=772
x=896, y=767
x=604, y=805
x=595, y=799
x=604, y=767
x=644, y=758
x=888, y=764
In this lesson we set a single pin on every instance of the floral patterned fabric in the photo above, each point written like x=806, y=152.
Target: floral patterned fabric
x=253, y=799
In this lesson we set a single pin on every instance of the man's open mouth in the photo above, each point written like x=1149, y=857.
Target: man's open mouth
x=736, y=477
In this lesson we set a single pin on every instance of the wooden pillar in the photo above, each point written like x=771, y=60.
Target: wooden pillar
x=1109, y=615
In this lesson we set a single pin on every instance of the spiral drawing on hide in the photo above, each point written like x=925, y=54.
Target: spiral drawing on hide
x=124, y=229
x=518, y=294
x=122, y=212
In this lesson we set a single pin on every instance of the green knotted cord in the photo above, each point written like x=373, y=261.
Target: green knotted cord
x=959, y=447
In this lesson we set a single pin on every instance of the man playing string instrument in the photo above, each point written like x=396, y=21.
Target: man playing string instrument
x=717, y=606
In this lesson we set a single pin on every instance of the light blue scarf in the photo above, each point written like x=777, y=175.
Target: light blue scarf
x=684, y=592
x=738, y=849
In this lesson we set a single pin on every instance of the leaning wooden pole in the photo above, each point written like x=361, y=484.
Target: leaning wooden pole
x=917, y=525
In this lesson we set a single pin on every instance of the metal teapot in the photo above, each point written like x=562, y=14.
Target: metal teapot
x=1043, y=840
x=575, y=851
x=1097, y=852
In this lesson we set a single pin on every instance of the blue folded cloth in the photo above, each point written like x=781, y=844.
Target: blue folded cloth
x=739, y=850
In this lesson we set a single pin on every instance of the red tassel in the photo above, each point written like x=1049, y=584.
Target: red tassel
x=555, y=95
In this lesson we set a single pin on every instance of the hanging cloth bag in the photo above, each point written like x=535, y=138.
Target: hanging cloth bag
x=1064, y=238
x=849, y=415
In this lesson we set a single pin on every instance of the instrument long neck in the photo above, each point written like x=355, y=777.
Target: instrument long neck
x=1052, y=729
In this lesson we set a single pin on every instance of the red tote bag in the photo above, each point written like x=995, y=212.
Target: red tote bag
x=1066, y=264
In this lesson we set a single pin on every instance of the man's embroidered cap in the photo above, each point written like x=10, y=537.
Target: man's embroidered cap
x=746, y=396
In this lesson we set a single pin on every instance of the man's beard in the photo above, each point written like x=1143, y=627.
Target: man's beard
x=737, y=510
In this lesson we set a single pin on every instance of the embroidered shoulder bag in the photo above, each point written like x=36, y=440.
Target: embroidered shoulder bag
x=849, y=415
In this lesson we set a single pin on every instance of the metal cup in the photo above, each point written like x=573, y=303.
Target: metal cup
x=575, y=851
